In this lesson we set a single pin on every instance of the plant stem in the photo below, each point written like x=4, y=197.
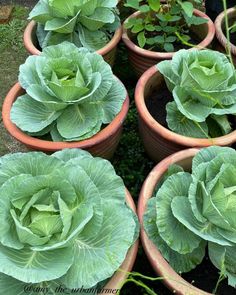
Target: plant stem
x=227, y=32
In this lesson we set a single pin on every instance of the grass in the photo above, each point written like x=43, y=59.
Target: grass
x=12, y=54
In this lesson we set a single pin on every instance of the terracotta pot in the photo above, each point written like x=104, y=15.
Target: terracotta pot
x=142, y=59
x=159, y=141
x=108, y=52
x=102, y=144
x=117, y=279
x=172, y=280
x=221, y=45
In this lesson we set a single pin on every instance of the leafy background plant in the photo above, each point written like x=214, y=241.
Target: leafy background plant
x=162, y=26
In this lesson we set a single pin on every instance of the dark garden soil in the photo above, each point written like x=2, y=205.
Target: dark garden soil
x=205, y=277
x=233, y=38
x=156, y=104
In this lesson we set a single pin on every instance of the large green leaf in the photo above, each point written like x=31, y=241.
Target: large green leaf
x=174, y=233
x=225, y=260
x=107, y=3
x=34, y=267
x=38, y=93
x=68, y=93
x=195, y=196
x=180, y=124
x=31, y=115
x=78, y=119
x=103, y=175
x=105, y=70
x=181, y=209
x=41, y=12
x=34, y=163
x=93, y=40
x=89, y=7
x=66, y=155
x=171, y=78
x=28, y=73
x=213, y=206
x=191, y=108
x=208, y=154
x=87, y=193
x=103, y=253
x=187, y=7
x=97, y=20
x=218, y=125
x=112, y=103
x=154, y=4
x=60, y=25
x=87, y=135
x=63, y=9
x=214, y=167
x=180, y=262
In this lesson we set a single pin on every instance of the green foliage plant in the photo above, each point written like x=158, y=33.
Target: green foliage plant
x=203, y=84
x=162, y=26
x=193, y=210
x=64, y=222
x=70, y=94
x=86, y=23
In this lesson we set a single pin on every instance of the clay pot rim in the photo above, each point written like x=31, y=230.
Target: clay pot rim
x=159, y=264
x=169, y=135
x=119, y=276
x=33, y=50
x=168, y=55
x=219, y=32
x=52, y=146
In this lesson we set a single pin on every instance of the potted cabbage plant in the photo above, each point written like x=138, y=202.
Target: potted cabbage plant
x=187, y=210
x=159, y=28
x=189, y=101
x=67, y=223
x=94, y=25
x=67, y=97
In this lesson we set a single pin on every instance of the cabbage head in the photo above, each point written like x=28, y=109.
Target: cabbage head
x=86, y=23
x=64, y=221
x=70, y=94
x=203, y=84
x=192, y=210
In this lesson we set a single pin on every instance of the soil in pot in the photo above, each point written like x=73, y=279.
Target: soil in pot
x=205, y=277
x=156, y=105
x=233, y=38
